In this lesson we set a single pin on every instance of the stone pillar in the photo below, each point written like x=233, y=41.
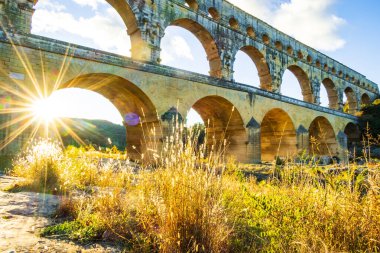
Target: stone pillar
x=253, y=142
x=16, y=15
x=342, y=151
x=227, y=65
x=225, y=43
x=316, y=90
x=340, y=99
x=358, y=100
x=171, y=122
x=143, y=139
x=146, y=38
x=276, y=75
x=302, y=139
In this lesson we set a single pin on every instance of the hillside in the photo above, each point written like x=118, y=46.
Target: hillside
x=96, y=132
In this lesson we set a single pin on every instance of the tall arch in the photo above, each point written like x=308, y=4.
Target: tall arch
x=303, y=81
x=351, y=103
x=365, y=99
x=322, y=138
x=207, y=41
x=130, y=101
x=123, y=8
x=278, y=135
x=332, y=93
x=353, y=136
x=125, y=12
x=223, y=122
x=261, y=65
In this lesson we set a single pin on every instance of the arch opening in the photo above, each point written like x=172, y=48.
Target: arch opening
x=278, y=136
x=234, y=23
x=138, y=112
x=365, y=100
x=353, y=134
x=289, y=50
x=213, y=12
x=187, y=51
x=110, y=35
x=251, y=32
x=81, y=117
x=332, y=94
x=193, y=4
x=350, y=103
x=278, y=45
x=224, y=125
x=259, y=77
x=289, y=87
x=266, y=39
x=322, y=138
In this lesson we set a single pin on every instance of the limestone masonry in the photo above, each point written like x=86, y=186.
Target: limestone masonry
x=258, y=123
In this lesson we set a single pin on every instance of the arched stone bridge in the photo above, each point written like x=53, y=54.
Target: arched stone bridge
x=259, y=123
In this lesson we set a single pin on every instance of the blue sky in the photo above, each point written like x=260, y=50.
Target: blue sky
x=346, y=30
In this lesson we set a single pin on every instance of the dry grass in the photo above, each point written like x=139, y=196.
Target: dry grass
x=193, y=202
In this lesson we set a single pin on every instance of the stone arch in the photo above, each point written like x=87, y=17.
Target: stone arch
x=193, y=4
x=353, y=134
x=278, y=135
x=351, y=100
x=322, y=138
x=332, y=93
x=365, y=99
x=123, y=8
x=207, y=41
x=303, y=81
x=223, y=122
x=261, y=65
x=214, y=13
x=129, y=100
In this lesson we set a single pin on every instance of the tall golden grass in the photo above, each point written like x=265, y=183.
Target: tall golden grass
x=192, y=200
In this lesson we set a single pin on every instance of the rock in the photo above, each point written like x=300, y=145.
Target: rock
x=9, y=251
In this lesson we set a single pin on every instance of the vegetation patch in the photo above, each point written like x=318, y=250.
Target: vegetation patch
x=192, y=199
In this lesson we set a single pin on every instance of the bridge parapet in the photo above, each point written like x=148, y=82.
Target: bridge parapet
x=81, y=52
x=223, y=29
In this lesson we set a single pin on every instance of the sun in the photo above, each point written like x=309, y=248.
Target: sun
x=43, y=110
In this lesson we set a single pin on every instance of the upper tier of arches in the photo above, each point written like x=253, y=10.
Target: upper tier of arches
x=223, y=32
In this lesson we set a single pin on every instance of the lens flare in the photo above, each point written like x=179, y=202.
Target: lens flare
x=43, y=110
x=26, y=111
x=131, y=119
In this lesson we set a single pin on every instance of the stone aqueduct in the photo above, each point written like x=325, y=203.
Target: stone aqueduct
x=259, y=123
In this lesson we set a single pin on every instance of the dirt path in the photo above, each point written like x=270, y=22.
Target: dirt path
x=23, y=214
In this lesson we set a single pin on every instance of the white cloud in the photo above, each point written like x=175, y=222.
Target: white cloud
x=52, y=5
x=262, y=9
x=309, y=21
x=178, y=47
x=105, y=30
x=94, y=4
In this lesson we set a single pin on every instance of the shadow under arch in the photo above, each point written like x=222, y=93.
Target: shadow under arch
x=207, y=41
x=332, y=93
x=322, y=138
x=261, y=65
x=304, y=82
x=353, y=134
x=278, y=135
x=129, y=100
x=223, y=122
x=123, y=8
x=351, y=100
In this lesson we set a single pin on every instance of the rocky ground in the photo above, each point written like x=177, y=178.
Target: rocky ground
x=23, y=214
